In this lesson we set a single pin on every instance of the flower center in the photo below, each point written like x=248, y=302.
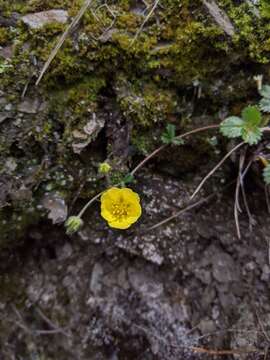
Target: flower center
x=120, y=210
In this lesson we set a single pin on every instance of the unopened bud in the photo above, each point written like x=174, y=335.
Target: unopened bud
x=104, y=168
x=73, y=224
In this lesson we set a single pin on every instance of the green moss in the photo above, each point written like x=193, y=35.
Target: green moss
x=144, y=142
x=41, y=5
x=8, y=7
x=77, y=100
x=145, y=104
x=265, y=9
x=23, y=7
x=5, y=36
x=147, y=81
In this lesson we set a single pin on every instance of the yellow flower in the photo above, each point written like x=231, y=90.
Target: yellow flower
x=120, y=207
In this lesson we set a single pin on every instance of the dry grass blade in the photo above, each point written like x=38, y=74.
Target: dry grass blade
x=189, y=207
x=51, y=324
x=215, y=169
x=181, y=212
x=145, y=21
x=220, y=17
x=62, y=39
x=237, y=207
x=227, y=352
x=250, y=217
x=262, y=326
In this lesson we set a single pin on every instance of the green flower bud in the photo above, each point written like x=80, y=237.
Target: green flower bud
x=104, y=168
x=73, y=224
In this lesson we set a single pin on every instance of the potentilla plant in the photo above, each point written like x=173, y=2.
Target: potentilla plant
x=120, y=205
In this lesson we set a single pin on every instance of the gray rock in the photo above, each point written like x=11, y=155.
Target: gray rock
x=3, y=116
x=64, y=252
x=203, y=275
x=227, y=300
x=8, y=107
x=207, y=326
x=40, y=19
x=83, y=137
x=266, y=273
x=224, y=268
x=22, y=194
x=145, y=284
x=56, y=206
x=29, y=106
x=6, y=52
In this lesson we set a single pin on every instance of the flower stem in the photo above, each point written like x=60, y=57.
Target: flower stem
x=89, y=203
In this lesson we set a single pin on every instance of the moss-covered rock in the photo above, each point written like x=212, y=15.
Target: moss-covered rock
x=181, y=65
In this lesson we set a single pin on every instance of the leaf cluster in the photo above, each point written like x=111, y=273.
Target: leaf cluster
x=169, y=137
x=248, y=126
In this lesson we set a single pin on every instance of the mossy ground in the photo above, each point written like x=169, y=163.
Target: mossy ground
x=181, y=65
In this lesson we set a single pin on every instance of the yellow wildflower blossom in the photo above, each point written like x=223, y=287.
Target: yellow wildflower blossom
x=120, y=207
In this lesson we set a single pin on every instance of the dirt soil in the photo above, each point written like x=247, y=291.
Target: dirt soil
x=188, y=290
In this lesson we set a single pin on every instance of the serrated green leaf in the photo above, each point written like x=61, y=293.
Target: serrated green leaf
x=264, y=105
x=232, y=127
x=166, y=139
x=265, y=91
x=251, y=135
x=266, y=174
x=171, y=130
x=252, y=115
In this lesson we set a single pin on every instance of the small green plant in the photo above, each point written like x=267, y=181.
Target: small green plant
x=248, y=126
x=169, y=136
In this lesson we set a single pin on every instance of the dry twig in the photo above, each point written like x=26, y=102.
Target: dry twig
x=62, y=39
x=227, y=352
x=145, y=21
x=216, y=168
x=181, y=212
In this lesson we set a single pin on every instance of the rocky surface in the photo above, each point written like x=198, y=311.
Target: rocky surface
x=189, y=289
x=38, y=20
x=104, y=294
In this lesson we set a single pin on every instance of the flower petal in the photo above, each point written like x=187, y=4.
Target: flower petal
x=106, y=213
x=135, y=210
x=112, y=194
x=130, y=195
x=120, y=224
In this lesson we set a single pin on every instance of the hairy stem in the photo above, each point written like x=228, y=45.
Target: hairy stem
x=216, y=168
